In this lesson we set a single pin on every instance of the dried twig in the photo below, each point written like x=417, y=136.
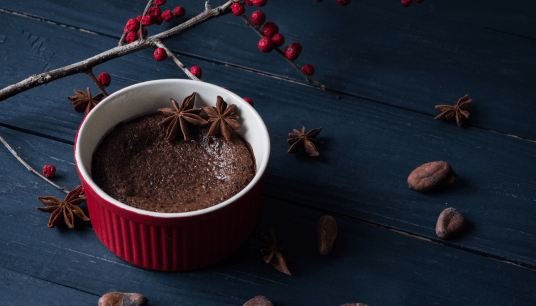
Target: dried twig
x=82, y=67
x=122, y=39
x=305, y=75
x=147, y=7
x=29, y=167
x=94, y=79
x=176, y=60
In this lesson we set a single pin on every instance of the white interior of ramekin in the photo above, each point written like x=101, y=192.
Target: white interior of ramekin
x=146, y=98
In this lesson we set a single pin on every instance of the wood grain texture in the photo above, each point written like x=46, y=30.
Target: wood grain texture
x=368, y=264
x=20, y=289
x=369, y=148
x=413, y=58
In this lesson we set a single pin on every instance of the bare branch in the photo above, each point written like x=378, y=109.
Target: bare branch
x=29, y=167
x=122, y=39
x=292, y=63
x=176, y=60
x=82, y=66
x=147, y=7
x=94, y=79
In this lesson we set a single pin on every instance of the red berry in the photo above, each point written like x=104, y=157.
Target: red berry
x=259, y=2
x=270, y=29
x=309, y=69
x=132, y=25
x=138, y=18
x=238, y=9
x=144, y=32
x=249, y=2
x=278, y=40
x=291, y=52
x=104, y=79
x=266, y=44
x=196, y=70
x=258, y=18
x=344, y=2
x=159, y=20
x=49, y=170
x=319, y=0
x=179, y=11
x=297, y=46
x=147, y=21
x=167, y=16
x=154, y=12
x=224, y=87
x=418, y=1
x=248, y=100
x=160, y=54
x=132, y=37
x=406, y=3
x=159, y=2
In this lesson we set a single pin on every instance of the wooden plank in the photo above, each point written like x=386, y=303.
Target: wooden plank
x=406, y=57
x=20, y=289
x=369, y=264
x=370, y=149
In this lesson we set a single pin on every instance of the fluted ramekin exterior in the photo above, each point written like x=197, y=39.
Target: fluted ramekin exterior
x=174, y=244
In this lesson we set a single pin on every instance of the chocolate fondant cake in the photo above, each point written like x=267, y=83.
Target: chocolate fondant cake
x=137, y=166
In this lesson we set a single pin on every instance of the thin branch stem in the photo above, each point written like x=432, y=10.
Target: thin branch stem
x=29, y=167
x=293, y=64
x=122, y=40
x=119, y=51
x=147, y=7
x=176, y=60
x=94, y=79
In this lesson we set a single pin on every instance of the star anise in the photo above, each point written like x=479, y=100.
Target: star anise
x=67, y=208
x=272, y=254
x=83, y=102
x=455, y=112
x=222, y=119
x=180, y=116
x=300, y=139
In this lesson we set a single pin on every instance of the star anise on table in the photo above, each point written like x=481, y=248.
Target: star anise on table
x=222, y=119
x=181, y=116
x=83, y=102
x=307, y=140
x=64, y=210
x=272, y=254
x=456, y=112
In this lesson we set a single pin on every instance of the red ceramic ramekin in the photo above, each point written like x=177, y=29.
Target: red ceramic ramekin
x=170, y=241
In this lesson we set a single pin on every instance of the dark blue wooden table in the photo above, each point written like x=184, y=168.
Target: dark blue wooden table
x=390, y=64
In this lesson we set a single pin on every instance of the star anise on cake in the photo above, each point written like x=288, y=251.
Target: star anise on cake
x=83, y=102
x=222, y=119
x=456, y=112
x=307, y=140
x=64, y=210
x=181, y=116
x=272, y=254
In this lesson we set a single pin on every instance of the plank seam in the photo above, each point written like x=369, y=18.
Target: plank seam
x=399, y=231
x=259, y=72
x=48, y=281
